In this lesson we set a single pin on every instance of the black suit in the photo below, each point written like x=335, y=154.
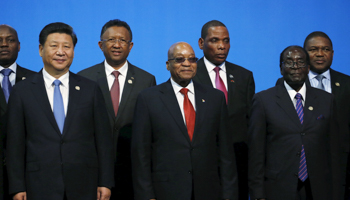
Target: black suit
x=275, y=139
x=21, y=74
x=166, y=164
x=241, y=89
x=121, y=125
x=47, y=164
x=340, y=84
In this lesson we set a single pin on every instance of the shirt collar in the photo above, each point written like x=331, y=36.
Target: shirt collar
x=13, y=67
x=210, y=66
x=326, y=74
x=48, y=79
x=123, y=70
x=178, y=87
x=292, y=92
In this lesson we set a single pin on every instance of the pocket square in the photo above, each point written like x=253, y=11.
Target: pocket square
x=320, y=117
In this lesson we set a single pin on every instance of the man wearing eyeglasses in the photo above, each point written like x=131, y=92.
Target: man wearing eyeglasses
x=236, y=82
x=10, y=74
x=181, y=148
x=293, y=137
x=120, y=82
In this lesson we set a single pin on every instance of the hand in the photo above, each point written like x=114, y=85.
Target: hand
x=103, y=193
x=20, y=196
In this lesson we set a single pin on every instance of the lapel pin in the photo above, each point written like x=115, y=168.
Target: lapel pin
x=311, y=108
x=23, y=78
x=337, y=84
x=231, y=76
x=77, y=87
x=203, y=100
x=130, y=81
x=232, y=81
x=132, y=77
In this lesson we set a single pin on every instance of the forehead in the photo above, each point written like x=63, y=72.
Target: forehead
x=116, y=31
x=218, y=31
x=7, y=31
x=319, y=41
x=183, y=49
x=59, y=37
x=294, y=53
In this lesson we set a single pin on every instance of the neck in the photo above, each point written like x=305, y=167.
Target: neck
x=117, y=66
x=6, y=65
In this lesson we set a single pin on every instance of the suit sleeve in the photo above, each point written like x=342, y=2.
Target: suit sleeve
x=228, y=169
x=104, y=144
x=16, y=145
x=257, y=147
x=141, y=151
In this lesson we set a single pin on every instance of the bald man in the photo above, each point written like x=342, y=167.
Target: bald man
x=180, y=146
x=10, y=74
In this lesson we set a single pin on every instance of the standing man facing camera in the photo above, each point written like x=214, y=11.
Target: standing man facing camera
x=59, y=141
x=120, y=82
x=10, y=74
x=237, y=84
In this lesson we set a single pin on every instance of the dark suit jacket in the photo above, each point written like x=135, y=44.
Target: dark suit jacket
x=45, y=163
x=21, y=74
x=140, y=80
x=166, y=164
x=241, y=89
x=275, y=140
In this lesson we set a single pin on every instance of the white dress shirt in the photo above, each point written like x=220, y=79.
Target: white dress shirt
x=326, y=80
x=121, y=78
x=180, y=97
x=212, y=74
x=292, y=93
x=12, y=76
x=50, y=87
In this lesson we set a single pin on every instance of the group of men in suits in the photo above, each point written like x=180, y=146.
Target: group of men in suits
x=114, y=136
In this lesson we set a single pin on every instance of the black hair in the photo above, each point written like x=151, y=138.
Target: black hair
x=116, y=22
x=294, y=46
x=208, y=25
x=317, y=34
x=57, y=27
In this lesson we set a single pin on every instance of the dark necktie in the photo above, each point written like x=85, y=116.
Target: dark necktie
x=190, y=113
x=219, y=83
x=58, y=108
x=6, y=84
x=320, y=84
x=115, y=91
x=302, y=166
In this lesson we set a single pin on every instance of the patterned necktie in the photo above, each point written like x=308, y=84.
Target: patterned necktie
x=219, y=83
x=302, y=166
x=115, y=92
x=6, y=84
x=58, y=108
x=190, y=113
x=320, y=84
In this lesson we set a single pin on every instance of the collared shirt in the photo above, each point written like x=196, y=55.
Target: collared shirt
x=12, y=76
x=121, y=78
x=292, y=93
x=212, y=74
x=180, y=97
x=50, y=88
x=326, y=81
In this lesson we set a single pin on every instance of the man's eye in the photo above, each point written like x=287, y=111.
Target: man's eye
x=214, y=40
x=227, y=41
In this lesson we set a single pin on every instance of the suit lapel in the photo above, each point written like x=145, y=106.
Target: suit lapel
x=335, y=84
x=169, y=100
x=202, y=73
x=286, y=104
x=310, y=104
x=200, y=96
x=130, y=81
x=230, y=81
x=40, y=93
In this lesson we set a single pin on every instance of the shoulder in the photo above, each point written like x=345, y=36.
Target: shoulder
x=140, y=71
x=91, y=69
x=25, y=70
x=237, y=68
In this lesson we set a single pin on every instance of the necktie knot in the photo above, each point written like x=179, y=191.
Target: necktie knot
x=298, y=96
x=217, y=69
x=6, y=72
x=184, y=91
x=319, y=77
x=57, y=82
x=116, y=74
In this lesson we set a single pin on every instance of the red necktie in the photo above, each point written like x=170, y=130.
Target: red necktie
x=219, y=83
x=190, y=114
x=115, y=92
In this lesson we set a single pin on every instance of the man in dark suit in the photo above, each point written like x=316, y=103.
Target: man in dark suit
x=180, y=147
x=238, y=86
x=293, y=137
x=59, y=141
x=320, y=49
x=9, y=48
x=116, y=44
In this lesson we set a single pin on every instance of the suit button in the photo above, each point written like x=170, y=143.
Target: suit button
x=302, y=133
x=190, y=172
x=298, y=154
